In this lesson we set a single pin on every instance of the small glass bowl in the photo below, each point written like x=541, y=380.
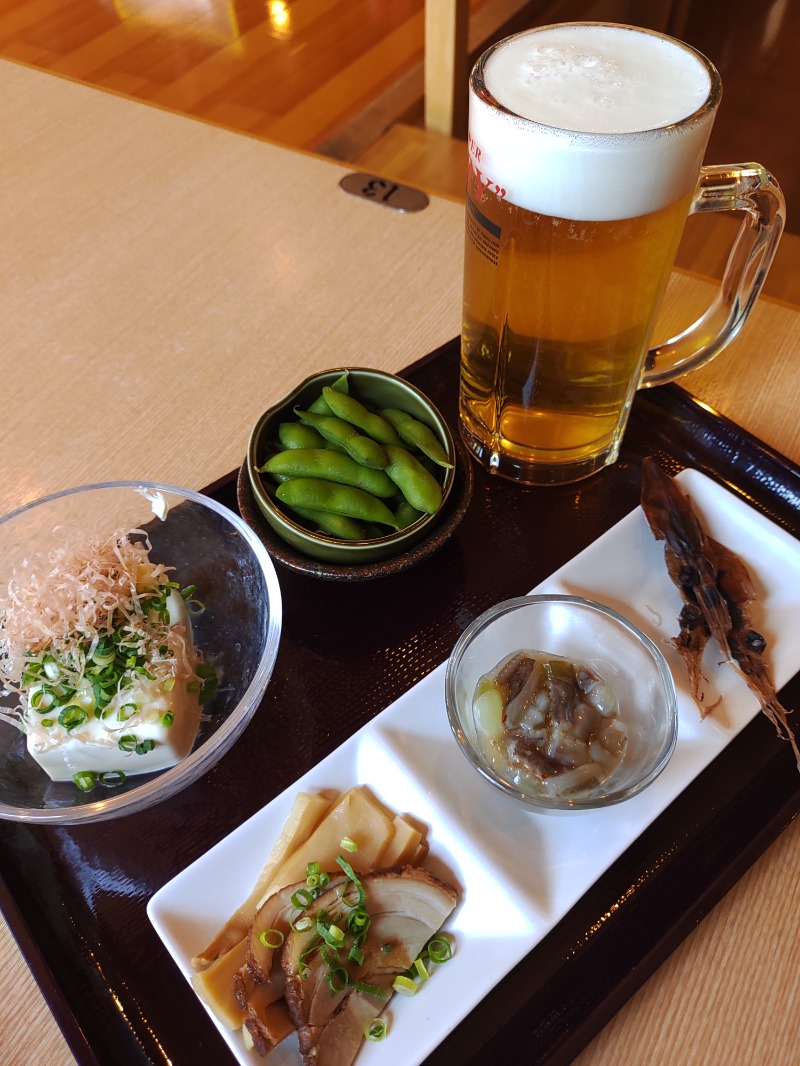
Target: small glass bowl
x=584, y=632
x=238, y=631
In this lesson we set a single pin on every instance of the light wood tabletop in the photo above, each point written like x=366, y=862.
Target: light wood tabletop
x=161, y=272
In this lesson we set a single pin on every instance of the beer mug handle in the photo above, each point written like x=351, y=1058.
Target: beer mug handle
x=750, y=189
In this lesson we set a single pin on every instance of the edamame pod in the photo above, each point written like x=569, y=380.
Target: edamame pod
x=335, y=525
x=351, y=410
x=320, y=405
x=418, y=486
x=363, y=449
x=416, y=434
x=332, y=466
x=296, y=435
x=277, y=477
x=407, y=515
x=341, y=499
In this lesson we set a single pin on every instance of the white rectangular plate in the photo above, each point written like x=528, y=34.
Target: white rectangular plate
x=519, y=872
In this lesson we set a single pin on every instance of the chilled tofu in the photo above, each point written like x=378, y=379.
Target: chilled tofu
x=95, y=746
x=144, y=728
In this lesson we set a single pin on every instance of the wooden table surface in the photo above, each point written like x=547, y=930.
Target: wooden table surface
x=164, y=281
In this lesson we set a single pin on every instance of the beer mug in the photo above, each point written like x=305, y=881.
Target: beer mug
x=585, y=151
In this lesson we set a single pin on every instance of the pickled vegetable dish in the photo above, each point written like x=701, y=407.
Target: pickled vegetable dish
x=549, y=724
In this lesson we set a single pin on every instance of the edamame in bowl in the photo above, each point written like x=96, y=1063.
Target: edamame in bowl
x=353, y=466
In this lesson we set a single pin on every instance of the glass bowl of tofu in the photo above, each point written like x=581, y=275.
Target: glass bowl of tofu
x=139, y=626
x=561, y=703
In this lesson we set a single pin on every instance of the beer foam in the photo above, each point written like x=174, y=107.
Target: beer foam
x=590, y=129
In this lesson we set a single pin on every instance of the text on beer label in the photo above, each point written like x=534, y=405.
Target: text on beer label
x=475, y=155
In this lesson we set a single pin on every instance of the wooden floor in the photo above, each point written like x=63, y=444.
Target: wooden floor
x=293, y=71
x=344, y=77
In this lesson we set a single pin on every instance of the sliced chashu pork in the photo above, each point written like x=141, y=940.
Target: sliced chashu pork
x=259, y=985
x=406, y=907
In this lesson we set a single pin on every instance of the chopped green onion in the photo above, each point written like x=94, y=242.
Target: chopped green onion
x=303, y=966
x=127, y=742
x=376, y=1029
x=72, y=716
x=42, y=699
x=329, y=955
x=47, y=722
x=331, y=934
x=169, y=684
x=271, y=938
x=303, y=924
x=188, y=591
x=353, y=883
x=302, y=898
x=338, y=979
x=439, y=949
x=167, y=718
x=102, y=697
x=386, y=948
x=348, y=844
x=369, y=990
x=111, y=778
x=352, y=895
x=144, y=746
x=419, y=966
x=349, y=872
x=405, y=986
x=358, y=920
x=84, y=780
x=209, y=675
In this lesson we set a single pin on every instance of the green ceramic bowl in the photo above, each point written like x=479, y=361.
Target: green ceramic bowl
x=375, y=389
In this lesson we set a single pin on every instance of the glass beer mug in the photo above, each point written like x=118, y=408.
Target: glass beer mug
x=585, y=147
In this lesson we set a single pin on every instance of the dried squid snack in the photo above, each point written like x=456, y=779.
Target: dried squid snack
x=717, y=592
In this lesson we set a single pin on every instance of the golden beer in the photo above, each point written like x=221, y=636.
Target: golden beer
x=571, y=235
x=555, y=335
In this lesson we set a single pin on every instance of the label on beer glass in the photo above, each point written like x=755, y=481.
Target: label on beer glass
x=483, y=233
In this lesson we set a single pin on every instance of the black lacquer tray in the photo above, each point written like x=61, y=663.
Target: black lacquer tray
x=75, y=897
